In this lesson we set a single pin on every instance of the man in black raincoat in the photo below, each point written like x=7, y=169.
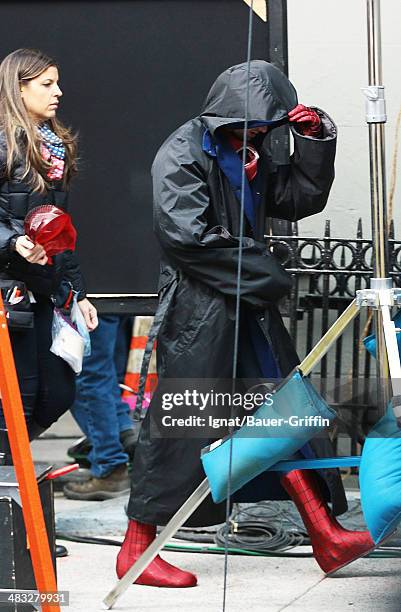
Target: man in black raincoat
x=197, y=191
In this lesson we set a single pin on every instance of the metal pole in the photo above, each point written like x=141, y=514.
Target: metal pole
x=376, y=119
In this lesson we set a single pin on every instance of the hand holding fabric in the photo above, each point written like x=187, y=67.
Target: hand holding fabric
x=307, y=120
x=52, y=228
x=34, y=253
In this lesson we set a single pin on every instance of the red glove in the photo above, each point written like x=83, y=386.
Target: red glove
x=307, y=119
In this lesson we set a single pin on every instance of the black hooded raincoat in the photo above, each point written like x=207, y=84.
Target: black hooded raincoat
x=197, y=222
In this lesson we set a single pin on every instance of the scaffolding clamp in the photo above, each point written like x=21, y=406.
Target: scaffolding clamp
x=373, y=298
x=375, y=104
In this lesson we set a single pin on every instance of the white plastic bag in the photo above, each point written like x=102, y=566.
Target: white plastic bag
x=78, y=319
x=67, y=342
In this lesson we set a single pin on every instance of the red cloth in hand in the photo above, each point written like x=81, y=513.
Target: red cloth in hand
x=52, y=228
x=307, y=120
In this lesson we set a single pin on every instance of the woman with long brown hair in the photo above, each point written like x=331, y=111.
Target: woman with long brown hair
x=37, y=161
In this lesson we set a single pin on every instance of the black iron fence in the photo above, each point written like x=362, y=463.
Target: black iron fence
x=327, y=273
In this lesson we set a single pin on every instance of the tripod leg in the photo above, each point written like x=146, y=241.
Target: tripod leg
x=150, y=553
x=393, y=357
x=326, y=342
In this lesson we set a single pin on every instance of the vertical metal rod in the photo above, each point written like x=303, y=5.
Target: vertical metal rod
x=378, y=200
x=378, y=196
x=374, y=42
x=325, y=303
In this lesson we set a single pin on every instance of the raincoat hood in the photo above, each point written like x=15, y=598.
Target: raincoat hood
x=271, y=96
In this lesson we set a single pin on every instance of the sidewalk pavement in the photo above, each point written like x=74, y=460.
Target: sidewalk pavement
x=257, y=583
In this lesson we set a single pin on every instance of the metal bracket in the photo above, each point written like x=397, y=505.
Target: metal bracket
x=372, y=299
x=375, y=104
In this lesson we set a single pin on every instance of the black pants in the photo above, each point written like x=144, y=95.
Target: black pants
x=47, y=382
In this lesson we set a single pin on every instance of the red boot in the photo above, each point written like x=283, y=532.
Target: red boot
x=158, y=573
x=333, y=546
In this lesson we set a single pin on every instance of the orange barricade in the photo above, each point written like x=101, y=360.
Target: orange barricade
x=22, y=458
x=140, y=332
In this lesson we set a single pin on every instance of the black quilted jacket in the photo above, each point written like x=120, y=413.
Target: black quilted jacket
x=16, y=199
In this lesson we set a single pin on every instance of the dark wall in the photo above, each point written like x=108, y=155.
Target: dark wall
x=131, y=73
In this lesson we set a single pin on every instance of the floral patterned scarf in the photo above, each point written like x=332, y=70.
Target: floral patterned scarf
x=53, y=151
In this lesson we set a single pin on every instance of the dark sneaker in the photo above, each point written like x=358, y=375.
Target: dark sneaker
x=82, y=447
x=61, y=551
x=116, y=484
x=80, y=451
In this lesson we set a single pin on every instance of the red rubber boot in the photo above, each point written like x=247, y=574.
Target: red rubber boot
x=333, y=546
x=159, y=573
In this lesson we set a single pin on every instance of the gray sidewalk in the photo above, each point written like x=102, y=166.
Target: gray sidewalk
x=261, y=584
